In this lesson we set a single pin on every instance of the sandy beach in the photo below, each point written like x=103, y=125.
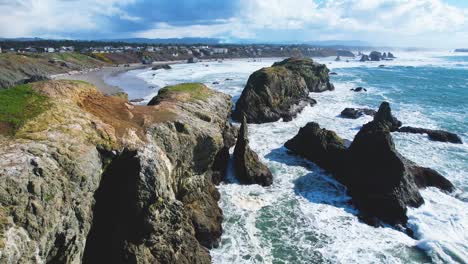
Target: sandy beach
x=98, y=76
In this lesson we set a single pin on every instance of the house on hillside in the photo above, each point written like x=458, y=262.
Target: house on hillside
x=220, y=50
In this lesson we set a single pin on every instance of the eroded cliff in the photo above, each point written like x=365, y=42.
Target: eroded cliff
x=95, y=179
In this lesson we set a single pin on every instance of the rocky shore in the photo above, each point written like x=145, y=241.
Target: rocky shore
x=88, y=177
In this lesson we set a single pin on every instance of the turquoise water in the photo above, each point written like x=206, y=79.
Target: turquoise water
x=305, y=217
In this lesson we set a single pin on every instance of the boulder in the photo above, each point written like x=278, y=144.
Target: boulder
x=384, y=116
x=354, y=113
x=390, y=56
x=375, y=56
x=333, y=73
x=359, y=89
x=281, y=91
x=248, y=167
x=435, y=135
x=320, y=146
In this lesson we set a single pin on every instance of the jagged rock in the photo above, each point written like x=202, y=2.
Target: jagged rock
x=94, y=179
x=384, y=116
x=355, y=113
x=390, y=56
x=377, y=177
x=281, y=91
x=427, y=177
x=436, y=135
x=381, y=182
x=338, y=58
x=359, y=89
x=248, y=167
x=384, y=55
x=161, y=66
x=321, y=146
x=333, y=73
x=364, y=58
x=375, y=56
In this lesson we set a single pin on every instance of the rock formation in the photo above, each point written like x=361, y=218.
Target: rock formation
x=375, y=56
x=161, y=66
x=381, y=182
x=364, y=58
x=355, y=113
x=95, y=179
x=435, y=135
x=281, y=91
x=390, y=56
x=359, y=89
x=248, y=167
x=384, y=116
x=321, y=146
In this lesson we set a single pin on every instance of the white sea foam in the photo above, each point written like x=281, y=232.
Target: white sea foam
x=305, y=217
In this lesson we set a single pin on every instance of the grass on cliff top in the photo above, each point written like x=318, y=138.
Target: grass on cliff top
x=197, y=91
x=19, y=104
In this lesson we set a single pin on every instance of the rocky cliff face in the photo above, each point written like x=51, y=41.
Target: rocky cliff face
x=281, y=91
x=95, y=179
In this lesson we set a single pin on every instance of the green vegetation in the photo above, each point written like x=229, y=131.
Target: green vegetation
x=102, y=57
x=19, y=104
x=197, y=91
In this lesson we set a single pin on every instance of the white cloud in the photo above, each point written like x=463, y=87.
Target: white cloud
x=390, y=21
x=47, y=17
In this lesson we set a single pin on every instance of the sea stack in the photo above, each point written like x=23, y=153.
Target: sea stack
x=248, y=167
x=381, y=182
x=282, y=90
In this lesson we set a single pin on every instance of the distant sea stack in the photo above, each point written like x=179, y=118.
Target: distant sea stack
x=461, y=50
x=282, y=90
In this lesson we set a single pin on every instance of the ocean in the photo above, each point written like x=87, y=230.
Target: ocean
x=305, y=216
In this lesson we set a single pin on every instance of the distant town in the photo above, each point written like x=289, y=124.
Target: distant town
x=152, y=52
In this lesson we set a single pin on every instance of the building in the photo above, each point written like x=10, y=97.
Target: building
x=220, y=50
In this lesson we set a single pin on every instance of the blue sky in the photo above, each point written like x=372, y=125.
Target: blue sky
x=430, y=23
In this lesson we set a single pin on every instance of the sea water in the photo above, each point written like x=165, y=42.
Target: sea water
x=305, y=216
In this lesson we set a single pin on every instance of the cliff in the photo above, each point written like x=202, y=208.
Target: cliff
x=95, y=179
x=18, y=69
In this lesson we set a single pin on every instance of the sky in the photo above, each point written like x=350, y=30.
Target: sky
x=407, y=23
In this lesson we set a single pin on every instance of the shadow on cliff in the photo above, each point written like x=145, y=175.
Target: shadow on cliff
x=116, y=218
x=317, y=186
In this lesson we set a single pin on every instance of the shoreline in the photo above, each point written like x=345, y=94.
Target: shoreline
x=98, y=76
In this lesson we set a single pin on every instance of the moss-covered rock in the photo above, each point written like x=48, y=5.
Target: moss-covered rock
x=281, y=91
